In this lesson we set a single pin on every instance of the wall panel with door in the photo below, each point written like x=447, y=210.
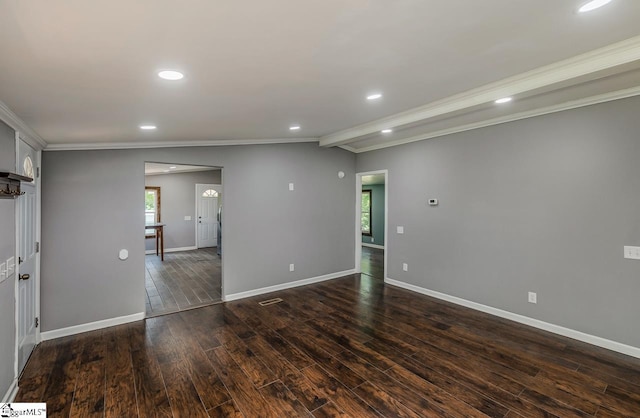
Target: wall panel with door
x=7, y=250
x=178, y=193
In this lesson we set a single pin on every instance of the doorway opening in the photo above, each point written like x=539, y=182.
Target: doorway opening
x=183, y=240
x=371, y=224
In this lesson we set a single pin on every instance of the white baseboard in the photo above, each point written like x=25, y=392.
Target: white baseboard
x=366, y=244
x=283, y=286
x=536, y=323
x=91, y=326
x=11, y=392
x=172, y=250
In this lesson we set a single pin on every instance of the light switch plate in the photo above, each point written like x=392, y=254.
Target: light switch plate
x=291, y=187
x=533, y=297
x=632, y=253
x=400, y=229
x=3, y=272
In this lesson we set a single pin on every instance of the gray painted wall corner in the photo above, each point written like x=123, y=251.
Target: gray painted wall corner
x=92, y=204
x=543, y=204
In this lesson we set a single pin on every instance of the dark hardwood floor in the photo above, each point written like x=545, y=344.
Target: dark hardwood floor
x=372, y=263
x=346, y=347
x=184, y=280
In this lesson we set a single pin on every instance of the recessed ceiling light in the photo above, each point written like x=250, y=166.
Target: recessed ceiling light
x=294, y=127
x=173, y=167
x=504, y=100
x=374, y=96
x=148, y=127
x=386, y=131
x=592, y=5
x=171, y=75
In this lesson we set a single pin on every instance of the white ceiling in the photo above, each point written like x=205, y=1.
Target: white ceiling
x=83, y=73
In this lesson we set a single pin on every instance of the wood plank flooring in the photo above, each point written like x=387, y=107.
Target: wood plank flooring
x=372, y=263
x=350, y=347
x=184, y=280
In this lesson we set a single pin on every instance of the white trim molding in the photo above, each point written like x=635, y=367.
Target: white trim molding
x=284, y=286
x=172, y=250
x=536, y=323
x=91, y=326
x=11, y=392
x=29, y=135
x=173, y=144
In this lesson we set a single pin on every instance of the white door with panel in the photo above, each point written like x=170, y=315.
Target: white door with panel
x=207, y=200
x=27, y=252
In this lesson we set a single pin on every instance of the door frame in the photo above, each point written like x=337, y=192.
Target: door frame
x=38, y=164
x=358, y=231
x=195, y=218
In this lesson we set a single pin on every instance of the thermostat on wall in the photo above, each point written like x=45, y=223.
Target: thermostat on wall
x=433, y=202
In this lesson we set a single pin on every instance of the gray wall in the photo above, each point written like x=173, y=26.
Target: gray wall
x=7, y=249
x=178, y=199
x=377, y=215
x=91, y=204
x=543, y=204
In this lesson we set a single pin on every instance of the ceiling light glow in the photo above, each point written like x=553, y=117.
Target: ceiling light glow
x=173, y=167
x=386, y=131
x=592, y=5
x=374, y=96
x=294, y=127
x=148, y=127
x=504, y=100
x=171, y=75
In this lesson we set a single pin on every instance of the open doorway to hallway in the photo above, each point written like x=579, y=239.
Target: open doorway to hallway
x=183, y=264
x=371, y=223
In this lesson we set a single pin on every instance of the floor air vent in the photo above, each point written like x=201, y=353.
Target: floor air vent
x=270, y=302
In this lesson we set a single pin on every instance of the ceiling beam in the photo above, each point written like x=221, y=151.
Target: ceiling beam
x=613, y=55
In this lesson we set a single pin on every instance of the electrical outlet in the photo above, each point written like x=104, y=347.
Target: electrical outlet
x=11, y=266
x=632, y=252
x=292, y=267
x=400, y=229
x=533, y=297
x=405, y=267
x=3, y=272
x=291, y=187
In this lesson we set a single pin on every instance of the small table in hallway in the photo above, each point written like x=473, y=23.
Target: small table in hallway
x=159, y=228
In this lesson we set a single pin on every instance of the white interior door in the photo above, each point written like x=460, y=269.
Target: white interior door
x=207, y=198
x=27, y=281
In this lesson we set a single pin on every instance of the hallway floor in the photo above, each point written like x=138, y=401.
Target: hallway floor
x=373, y=262
x=184, y=280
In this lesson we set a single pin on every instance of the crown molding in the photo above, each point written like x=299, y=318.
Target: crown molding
x=174, y=144
x=26, y=133
x=613, y=55
x=574, y=104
